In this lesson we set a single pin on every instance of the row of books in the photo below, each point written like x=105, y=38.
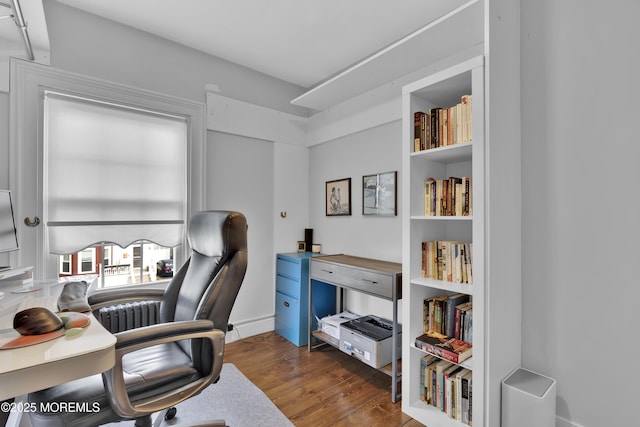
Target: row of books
x=449, y=315
x=448, y=387
x=440, y=127
x=448, y=260
x=448, y=197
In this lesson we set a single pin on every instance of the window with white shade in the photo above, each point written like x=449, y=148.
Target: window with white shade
x=92, y=184
x=113, y=175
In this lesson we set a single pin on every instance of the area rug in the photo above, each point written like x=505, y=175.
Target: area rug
x=234, y=399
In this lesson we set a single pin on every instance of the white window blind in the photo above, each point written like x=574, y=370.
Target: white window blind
x=112, y=174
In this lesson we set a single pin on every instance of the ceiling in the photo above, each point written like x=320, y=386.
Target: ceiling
x=303, y=42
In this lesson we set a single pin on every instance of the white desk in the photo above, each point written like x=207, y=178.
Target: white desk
x=63, y=359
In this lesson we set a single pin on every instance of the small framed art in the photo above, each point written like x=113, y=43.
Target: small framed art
x=379, y=194
x=338, y=197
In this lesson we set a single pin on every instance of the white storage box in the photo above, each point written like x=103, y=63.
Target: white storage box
x=331, y=324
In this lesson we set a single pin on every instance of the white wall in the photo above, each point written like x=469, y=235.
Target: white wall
x=580, y=153
x=291, y=196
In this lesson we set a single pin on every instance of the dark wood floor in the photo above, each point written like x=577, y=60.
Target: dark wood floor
x=324, y=387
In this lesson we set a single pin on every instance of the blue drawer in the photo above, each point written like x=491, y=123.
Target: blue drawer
x=288, y=267
x=289, y=321
x=288, y=286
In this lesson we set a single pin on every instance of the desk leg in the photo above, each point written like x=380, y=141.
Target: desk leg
x=394, y=346
x=310, y=316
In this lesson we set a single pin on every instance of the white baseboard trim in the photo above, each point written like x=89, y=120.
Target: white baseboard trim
x=563, y=422
x=248, y=328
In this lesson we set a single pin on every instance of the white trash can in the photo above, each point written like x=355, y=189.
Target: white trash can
x=528, y=400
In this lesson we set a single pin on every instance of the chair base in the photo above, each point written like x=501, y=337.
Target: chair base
x=169, y=414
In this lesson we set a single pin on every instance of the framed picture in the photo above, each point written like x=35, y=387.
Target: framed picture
x=338, y=197
x=379, y=194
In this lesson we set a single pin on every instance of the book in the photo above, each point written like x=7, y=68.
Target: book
x=466, y=398
x=438, y=383
x=448, y=379
x=427, y=310
x=447, y=348
x=417, y=131
x=466, y=101
x=462, y=319
x=438, y=314
x=460, y=313
x=434, y=115
x=426, y=131
x=425, y=386
x=468, y=326
x=458, y=392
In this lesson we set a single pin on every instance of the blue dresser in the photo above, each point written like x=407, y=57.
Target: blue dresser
x=292, y=297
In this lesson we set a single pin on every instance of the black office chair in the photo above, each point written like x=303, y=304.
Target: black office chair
x=161, y=365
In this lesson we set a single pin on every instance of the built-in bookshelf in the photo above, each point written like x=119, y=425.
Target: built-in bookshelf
x=443, y=241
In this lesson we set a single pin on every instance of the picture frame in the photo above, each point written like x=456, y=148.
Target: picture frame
x=338, y=197
x=380, y=194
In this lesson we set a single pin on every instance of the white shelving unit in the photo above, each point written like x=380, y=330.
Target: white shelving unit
x=470, y=47
x=443, y=89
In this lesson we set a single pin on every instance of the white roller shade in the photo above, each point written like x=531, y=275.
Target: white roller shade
x=112, y=174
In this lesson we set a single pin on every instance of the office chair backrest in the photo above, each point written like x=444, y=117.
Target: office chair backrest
x=207, y=285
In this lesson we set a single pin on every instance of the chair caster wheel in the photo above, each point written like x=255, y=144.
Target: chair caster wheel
x=171, y=413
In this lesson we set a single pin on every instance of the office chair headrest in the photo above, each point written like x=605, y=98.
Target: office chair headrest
x=217, y=233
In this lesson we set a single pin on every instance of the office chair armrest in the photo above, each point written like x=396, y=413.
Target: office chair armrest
x=120, y=296
x=146, y=336
x=136, y=339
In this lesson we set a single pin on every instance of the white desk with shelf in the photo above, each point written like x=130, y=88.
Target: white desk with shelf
x=381, y=279
x=32, y=368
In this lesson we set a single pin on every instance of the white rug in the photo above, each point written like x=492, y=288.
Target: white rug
x=234, y=399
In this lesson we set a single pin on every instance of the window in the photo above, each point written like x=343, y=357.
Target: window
x=122, y=154
x=87, y=261
x=65, y=264
x=78, y=178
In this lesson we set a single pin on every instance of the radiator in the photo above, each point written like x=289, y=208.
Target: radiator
x=130, y=315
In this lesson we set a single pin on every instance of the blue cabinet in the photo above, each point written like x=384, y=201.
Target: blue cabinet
x=292, y=297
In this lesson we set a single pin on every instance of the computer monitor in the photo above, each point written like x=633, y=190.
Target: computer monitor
x=8, y=234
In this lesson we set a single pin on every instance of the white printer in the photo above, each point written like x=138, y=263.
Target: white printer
x=368, y=338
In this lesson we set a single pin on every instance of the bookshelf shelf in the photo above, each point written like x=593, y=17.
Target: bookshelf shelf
x=463, y=288
x=436, y=417
x=443, y=89
x=442, y=218
x=448, y=154
x=468, y=363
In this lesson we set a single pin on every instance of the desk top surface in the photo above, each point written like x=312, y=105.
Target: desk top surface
x=94, y=340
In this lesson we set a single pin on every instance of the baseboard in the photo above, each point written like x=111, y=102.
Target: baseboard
x=562, y=422
x=247, y=328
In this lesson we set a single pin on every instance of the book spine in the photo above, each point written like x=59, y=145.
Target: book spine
x=417, y=130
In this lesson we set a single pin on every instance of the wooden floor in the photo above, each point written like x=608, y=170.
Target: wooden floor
x=324, y=387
